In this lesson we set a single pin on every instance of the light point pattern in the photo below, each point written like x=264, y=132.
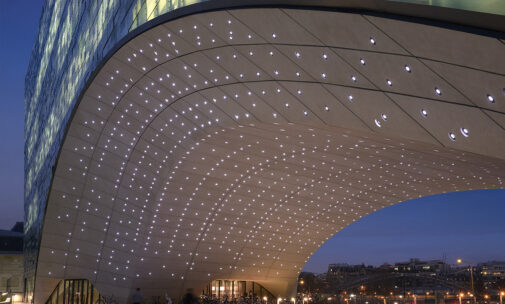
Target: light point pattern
x=212, y=147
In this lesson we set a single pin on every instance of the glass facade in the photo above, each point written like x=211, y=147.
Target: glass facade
x=75, y=292
x=73, y=38
x=229, y=289
x=496, y=7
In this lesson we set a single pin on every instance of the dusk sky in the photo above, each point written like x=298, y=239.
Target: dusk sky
x=19, y=21
x=470, y=225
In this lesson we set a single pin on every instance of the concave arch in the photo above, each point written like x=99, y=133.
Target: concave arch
x=181, y=165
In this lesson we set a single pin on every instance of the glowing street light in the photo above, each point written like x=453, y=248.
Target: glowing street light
x=471, y=271
x=502, y=294
x=302, y=282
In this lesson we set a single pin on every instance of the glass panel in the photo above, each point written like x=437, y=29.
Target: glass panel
x=484, y=6
x=219, y=289
x=74, y=292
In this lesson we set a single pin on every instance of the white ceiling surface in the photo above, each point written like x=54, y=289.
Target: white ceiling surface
x=235, y=167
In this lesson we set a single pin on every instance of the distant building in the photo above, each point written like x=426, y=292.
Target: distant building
x=11, y=259
x=345, y=272
x=344, y=276
x=416, y=265
x=414, y=276
x=492, y=274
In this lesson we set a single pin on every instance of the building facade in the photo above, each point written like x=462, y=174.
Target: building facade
x=416, y=265
x=119, y=94
x=11, y=262
x=414, y=277
x=492, y=274
x=73, y=39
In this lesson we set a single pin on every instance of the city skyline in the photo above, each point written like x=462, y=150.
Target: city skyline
x=416, y=231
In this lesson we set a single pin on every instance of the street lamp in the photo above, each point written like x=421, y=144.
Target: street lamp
x=301, y=282
x=471, y=271
x=502, y=293
x=460, y=296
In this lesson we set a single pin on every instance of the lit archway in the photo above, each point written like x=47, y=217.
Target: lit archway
x=232, y=144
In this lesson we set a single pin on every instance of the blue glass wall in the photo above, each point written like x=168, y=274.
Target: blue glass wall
x=496, y=7
x=74, y=36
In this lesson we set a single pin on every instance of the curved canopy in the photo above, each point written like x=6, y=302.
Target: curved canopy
x=232, y=144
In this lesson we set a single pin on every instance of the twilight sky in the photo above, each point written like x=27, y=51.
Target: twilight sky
x=19, y=21
x=470, y=225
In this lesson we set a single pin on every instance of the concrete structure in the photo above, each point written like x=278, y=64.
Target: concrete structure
x=224, y=141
